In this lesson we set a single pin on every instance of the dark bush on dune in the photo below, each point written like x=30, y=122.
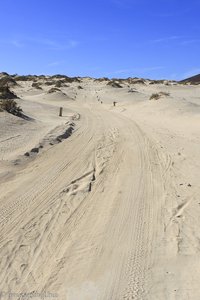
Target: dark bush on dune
x=53, y=90
x=157, y=96
x=5, y=93
x=119, y=80
x=36, y=85
x=49, y=83
x=65, y=78
x=135, y=80
x=132, y=91
x=114, y=84
x=157, y=82
x=60, y=83
x=7, y=81
x=140, y=81
x=10, y=106
x=154, y=96
x=72, y=79
x=58, y=76
x=102, y=79
x=4, y=74
x=25, y=78
x=7, y=101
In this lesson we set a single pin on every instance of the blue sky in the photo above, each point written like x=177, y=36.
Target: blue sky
x=112, y=38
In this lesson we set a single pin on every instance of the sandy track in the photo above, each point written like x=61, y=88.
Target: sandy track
x=82, y=219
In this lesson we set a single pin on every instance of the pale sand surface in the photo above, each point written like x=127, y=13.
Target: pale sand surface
x=111, y=212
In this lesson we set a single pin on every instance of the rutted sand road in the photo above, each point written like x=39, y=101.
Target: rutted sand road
x=82, y=219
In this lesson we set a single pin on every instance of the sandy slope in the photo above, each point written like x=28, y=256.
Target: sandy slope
x=111, y=212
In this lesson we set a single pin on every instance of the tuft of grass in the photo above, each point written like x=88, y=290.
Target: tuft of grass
x=53, y=90
x=36, y=85
x=60, y=83
x=49, y=83
x=10, y=106
x=5, y=93
x=7, y=102
x=7, y=81
x=114, y=84
x=156, y=96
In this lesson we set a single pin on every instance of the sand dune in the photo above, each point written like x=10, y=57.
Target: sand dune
x=108, y=209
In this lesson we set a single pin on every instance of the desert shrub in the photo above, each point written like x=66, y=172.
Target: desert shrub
x=157, y=96
x=59, y=76
x=154, y=96
x=50, y=82
x=132, y=91
x=7, y=81
x=102, y=79
x=4, y=74
x=10, y=106
x=60, y=83
x=66, y=78
x=135, y=80
x=25, y=77
x=139, y=81
x=72, y=79
x=5, y=93
x=53, y=90
x=36, y=85
x=114, y=84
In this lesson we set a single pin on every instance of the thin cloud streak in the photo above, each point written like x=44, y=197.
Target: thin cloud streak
x=135, y=70
x=55, y=63
x=12, y=42
x=48, y=43
x=55, y=45
x=165, y=39
x=192, y=41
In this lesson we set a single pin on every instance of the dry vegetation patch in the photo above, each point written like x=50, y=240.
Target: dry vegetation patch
x=7, y=81
x=7, y=102
x=36, y=85
x=114, y=84
x=53, y=90
x=156, y=96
